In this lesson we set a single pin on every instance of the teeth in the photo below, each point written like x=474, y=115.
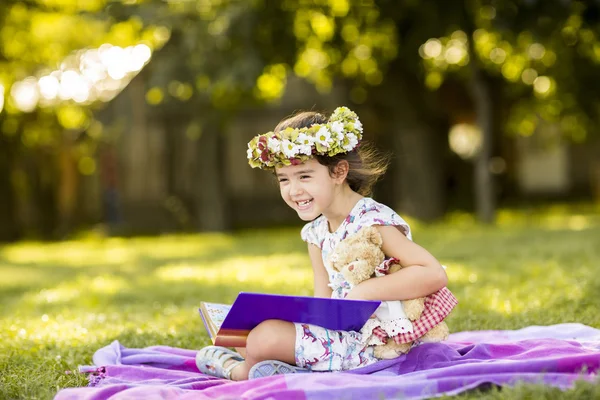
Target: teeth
x=303, y=203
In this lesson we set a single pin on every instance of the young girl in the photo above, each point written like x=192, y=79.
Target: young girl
x=325, y=174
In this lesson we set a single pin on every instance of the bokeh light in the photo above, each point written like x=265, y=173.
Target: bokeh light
x=498, y=55
x=49, y=87
x=1, y=98
x=542, y=86
x=25, y=94
x=444, y=52
x=432, y=48
x=85, y=76
x=536, y=51
x=465, y=140
x=529, y=75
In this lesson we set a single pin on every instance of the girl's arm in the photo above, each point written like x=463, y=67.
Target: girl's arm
x=321, y=278
x=421, y=276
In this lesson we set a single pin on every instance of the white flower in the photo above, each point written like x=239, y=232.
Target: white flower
x=305, y=149
x=338, y=128
x=323, y=136
x=274, y=145
x=358, y=126
x=352, y=142
x=289, y=148
x=304, y=140
x=305, y=143
x=250, y=153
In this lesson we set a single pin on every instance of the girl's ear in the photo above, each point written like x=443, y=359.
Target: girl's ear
x=341, y=170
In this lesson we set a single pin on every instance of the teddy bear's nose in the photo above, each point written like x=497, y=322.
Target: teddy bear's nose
x=351, y=267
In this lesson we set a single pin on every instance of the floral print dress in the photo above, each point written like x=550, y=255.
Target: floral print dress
x=320, y=349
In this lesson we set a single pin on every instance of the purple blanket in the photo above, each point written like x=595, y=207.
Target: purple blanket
x=555, y=355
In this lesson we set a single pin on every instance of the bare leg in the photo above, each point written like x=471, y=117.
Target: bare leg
x=241, y=351
x=271, y=340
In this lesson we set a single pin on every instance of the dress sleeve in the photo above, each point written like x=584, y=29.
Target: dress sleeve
x=385, y=216
x=309, y=233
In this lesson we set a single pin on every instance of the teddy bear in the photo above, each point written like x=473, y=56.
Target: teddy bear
x=357, y=258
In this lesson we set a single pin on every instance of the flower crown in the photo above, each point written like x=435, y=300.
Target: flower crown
x=292, y=146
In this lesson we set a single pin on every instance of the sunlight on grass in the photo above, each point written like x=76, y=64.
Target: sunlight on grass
x=72, y=254
x=460, y=273
x=60, y=302
x=551, y=222
x=270, y=271
x=556, y=217
x=79, y=329
x=42, y=330
x=178, y=246
x=57, y=295
x=115, y=251
x=526, y=288
x=67, y=291
x=17, y=276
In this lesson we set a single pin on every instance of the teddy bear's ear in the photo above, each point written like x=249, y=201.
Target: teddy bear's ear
x=372, y=235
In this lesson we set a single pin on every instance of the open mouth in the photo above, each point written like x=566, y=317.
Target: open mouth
x=304, y=204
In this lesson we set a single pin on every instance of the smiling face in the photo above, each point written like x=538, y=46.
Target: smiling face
x=308, y=188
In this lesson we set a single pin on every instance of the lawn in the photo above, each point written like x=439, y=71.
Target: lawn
x=62, y=301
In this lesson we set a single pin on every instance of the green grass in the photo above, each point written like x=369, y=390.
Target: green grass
x=59, y=302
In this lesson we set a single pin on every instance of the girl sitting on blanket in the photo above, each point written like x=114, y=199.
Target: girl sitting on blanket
x=325, y=174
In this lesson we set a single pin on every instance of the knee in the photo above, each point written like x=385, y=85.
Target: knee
x=263, y=337
x=267, y=338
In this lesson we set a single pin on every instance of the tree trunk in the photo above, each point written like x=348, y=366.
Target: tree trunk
x=211, y=201
x=485, y=201
x=481, y=92
x=67, y=187
x=143, y=190
x=417, y=142
x=43, y=180
x=420, y=184
x=9, y=230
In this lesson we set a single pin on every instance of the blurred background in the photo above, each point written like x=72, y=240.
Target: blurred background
x=133, y=116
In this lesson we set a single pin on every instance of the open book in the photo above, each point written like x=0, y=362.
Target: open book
x=229, y=325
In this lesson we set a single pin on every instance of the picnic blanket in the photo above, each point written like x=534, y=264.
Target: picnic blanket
x=555, y=355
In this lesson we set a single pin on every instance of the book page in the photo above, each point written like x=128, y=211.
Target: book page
x=216, y=313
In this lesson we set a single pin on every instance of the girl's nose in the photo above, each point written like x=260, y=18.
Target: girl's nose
x=295, y=189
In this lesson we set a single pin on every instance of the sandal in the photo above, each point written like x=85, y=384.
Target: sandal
x=211, y=360
x=273, y=367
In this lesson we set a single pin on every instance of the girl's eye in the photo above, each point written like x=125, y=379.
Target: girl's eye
x=304, y=176
x=281, y=180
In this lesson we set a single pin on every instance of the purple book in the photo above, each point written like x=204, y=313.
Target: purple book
x=229, y=325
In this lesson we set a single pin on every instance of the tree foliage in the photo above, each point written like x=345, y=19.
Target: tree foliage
x=49, y=39
x=546, y=52
x=232, y=52
x=61, y=60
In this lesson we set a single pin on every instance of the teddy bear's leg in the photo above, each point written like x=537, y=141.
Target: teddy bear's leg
x=391, y=350
x=438, y=333
x=413, y=308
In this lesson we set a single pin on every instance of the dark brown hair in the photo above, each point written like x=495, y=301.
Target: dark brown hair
x=366, y=164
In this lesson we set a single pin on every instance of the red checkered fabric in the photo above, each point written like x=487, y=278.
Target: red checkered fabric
x=437, y=307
